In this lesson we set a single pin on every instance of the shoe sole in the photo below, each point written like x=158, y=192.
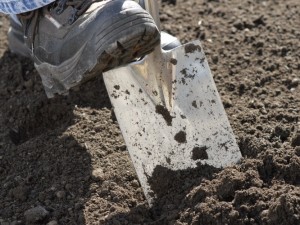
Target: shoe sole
x=127, y=36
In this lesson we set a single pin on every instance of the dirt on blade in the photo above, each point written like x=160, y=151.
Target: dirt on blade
x=164, y=112
x=64, y=161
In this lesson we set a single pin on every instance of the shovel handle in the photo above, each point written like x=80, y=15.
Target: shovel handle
x=152, y=6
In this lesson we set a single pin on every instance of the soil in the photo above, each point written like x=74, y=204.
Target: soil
x=64, y=161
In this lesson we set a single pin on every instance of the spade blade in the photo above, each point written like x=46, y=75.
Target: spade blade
x=170, y=113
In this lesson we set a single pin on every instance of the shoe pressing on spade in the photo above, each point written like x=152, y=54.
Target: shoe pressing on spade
x=71, y=42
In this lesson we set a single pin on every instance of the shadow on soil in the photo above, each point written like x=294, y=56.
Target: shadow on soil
x=41, y=163
x=29, y=112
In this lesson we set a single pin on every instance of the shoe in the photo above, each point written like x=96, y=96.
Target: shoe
x=71, y=42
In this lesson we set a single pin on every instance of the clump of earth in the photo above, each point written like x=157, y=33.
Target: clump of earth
x=64, y=161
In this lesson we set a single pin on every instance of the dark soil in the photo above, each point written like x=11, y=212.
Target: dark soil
x=64, y=161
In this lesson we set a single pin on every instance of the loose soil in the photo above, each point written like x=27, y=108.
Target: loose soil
x=64, y=161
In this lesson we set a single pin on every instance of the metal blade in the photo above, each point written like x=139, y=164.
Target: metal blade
x=170, y=113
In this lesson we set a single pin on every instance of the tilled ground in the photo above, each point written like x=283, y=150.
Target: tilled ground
x=63, y=160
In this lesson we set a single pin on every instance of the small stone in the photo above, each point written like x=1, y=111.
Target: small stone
x=97, y=174
x=215, y=59
x=295, y=82
x=60, y=194
x=68, y=186
x=28, y=84
x=35, y=214
x=112, y=209
x=52, y=222
x=264, y=213
x=135, y=184
x=52, y=188
x=227, y=102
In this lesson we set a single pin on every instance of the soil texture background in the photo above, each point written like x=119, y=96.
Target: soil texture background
x=64, y=161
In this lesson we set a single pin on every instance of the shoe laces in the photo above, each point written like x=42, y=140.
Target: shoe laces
x=79, y=7
x=30, y=19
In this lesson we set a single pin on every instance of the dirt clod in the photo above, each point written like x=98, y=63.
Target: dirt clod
x=194, y=104
x=162, y=110
x=191, y=48
x=199, y=153
x=98, y=175
x=296, y=140
x=34, y=215
x=173, y=61
x=117, y=87
x=180, y=137
x=60, y=194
